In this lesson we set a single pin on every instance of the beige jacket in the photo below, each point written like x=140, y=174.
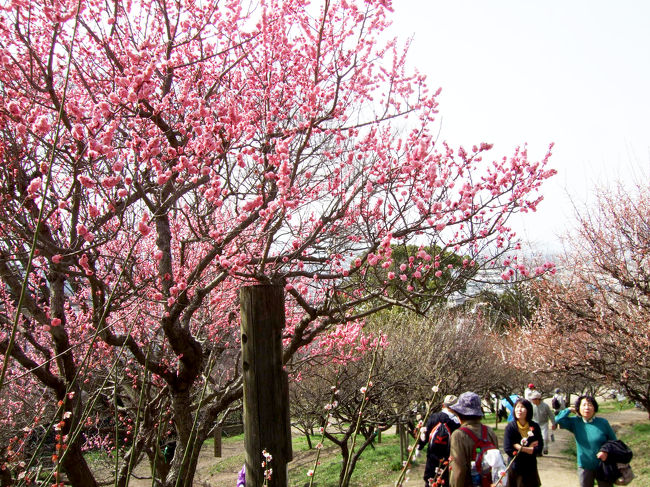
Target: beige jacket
x=462, y=447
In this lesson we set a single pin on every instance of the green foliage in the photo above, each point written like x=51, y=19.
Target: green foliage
x=515, y=306
x=411, y=279
x=454, y=272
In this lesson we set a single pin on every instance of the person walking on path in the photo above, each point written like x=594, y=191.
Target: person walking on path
x=542, y=414
x=558, y=402
x=508, y=402
x=529, y=390
x=523, y=442
x=436, y=434
x=590, y=434
x=463, y=446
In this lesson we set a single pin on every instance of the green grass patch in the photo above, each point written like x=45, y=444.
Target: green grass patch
x=299, y=443
x=234, y=462
x=95, y=456
x=488, y=418
x=229, y=439
x=382, y=462
x=571, y=451
x=614, y=406
x=637, y=437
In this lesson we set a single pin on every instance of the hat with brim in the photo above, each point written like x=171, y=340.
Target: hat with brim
x=449, y=399
x=535, y=395
x=468, y=404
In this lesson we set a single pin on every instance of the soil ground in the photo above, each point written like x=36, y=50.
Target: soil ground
x=556, y=469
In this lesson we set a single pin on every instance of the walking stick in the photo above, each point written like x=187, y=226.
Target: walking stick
x=505, y=472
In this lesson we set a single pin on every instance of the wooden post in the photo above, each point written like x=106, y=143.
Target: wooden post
x=266, y=387
x=402, y=440
x=217, y=442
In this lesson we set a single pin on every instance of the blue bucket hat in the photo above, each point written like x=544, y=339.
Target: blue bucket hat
x=468, y=404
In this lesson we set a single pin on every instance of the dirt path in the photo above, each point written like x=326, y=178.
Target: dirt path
x=556, y=469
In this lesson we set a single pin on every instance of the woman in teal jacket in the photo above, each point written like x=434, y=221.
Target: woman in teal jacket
x=590, y=433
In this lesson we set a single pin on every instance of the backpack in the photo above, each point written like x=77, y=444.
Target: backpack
x=555, y=403
x=484, y=477
x=439, y=435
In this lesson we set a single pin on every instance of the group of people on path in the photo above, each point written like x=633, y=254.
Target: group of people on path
x=462, y=452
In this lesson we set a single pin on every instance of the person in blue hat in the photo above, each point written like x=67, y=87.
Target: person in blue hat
x=466, y=441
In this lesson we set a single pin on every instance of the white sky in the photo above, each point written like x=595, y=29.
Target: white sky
x=573, y=72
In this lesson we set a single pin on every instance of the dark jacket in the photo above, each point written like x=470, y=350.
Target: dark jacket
x=617, y=452
x=525, y=465
x=436, y=452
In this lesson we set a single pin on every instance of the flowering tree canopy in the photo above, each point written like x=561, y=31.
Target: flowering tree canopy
x=593, y=320
x=158, y=155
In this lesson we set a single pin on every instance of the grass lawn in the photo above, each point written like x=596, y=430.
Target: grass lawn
x=612, y=406
x=382, y=462
x=637, y=437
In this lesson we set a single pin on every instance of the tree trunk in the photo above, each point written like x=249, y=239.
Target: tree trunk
x=184, y=468
x=345, y=453
x=76, y=468
x=403, y=441
x=183, y=465
x=159, y=467
x=357, y=454
x=645, y=402
x=5, y=478
x=130, y=461
x=353, y=463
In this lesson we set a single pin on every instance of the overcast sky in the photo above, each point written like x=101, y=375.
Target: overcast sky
x=573, y=72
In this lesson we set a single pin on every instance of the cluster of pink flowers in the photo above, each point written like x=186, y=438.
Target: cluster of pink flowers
x=235, y=149
x=266, y=465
